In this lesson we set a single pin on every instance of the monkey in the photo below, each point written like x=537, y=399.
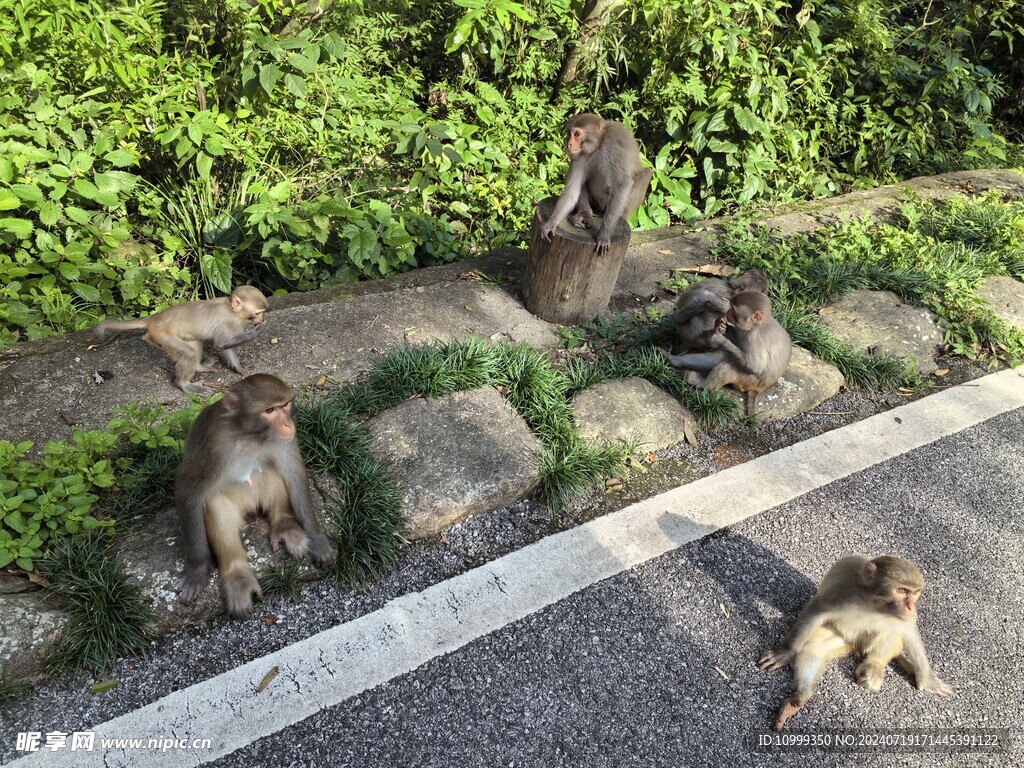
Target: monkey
x=604, y=173
x=241, y=458
x=754, y=354
x=228, y=321
x=863, y=604
x=701, y=307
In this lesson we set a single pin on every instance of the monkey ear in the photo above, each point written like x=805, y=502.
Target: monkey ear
x=868, y=572
x=757, y=316
x=231, y=400
x=236, y=302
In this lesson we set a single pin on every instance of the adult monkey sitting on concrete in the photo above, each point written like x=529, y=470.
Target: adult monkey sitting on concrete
x=604, y=174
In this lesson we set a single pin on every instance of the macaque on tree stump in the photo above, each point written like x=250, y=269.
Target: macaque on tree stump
x=565, y=281
x=605, y=177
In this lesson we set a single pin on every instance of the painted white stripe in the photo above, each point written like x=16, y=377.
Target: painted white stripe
x=341, y=662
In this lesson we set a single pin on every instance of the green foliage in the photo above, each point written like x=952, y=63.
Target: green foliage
x=282, y=581
x=110, y=616
x=362, y=510
x=153, y=152
x=935, y=256
x=55, y=494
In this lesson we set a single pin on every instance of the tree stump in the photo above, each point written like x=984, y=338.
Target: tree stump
x=565, y=281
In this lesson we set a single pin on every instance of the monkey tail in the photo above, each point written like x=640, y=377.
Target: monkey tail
x=110, y=328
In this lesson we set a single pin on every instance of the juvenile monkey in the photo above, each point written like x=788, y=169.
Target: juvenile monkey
x=604, y=174
x=701, y=308
x=241, y=458
x=754, y=354
x=228, y=322
x=864, y=604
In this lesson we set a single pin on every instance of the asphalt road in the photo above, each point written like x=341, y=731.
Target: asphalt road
x=632, y=640
x=655, y=666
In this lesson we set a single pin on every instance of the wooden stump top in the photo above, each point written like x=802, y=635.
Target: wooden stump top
x=546, y=206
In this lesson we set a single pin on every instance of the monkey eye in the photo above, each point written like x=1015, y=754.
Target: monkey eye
x=271, y=409
x=903, y=591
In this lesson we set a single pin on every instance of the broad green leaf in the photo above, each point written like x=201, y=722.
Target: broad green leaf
x=19, y=227
x=269, y=76
x=216, y=269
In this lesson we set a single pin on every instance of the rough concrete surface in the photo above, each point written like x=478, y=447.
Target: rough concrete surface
x=1006, y=297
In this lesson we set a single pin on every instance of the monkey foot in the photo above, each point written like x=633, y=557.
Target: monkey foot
x=786, y=711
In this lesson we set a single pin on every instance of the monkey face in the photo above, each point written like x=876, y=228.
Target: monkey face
x=277, y=420
x=903, y=602
x=257, y=317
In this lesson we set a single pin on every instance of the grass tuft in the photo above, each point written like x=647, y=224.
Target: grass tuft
x=110, y=615
x=282, y=581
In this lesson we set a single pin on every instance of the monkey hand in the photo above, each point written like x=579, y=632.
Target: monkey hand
x=603, y=244
x=321, y=550
x=775, y=659
x=192, y=583
x=934, y=685
x=547, y=230
x=580, y=220
x=721, y=324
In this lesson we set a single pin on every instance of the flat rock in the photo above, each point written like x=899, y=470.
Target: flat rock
x=456, y=456
x=879, y=321
x=32, y=622
x=806, y=383
x=151, y=556
x=625, y=409
x=1006, y=297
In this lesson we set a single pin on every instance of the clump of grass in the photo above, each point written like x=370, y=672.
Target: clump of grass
x=363, y=516
x=534, y=387
x=366, y=521
x=569, y=469
x=147, y=485
x=282, y=581
x=434, y=370
x=110, y=615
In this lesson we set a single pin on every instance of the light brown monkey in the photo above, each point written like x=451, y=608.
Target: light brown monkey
x=753, y=354
x=701, y=308
x=241, y=458
x=604, y=174
x=864, y=604
x=180, y=331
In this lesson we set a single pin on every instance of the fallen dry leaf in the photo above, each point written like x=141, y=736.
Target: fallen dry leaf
x=267, y=678
x=666, y=252
x=269, y=619
x=942, y=371
x=612, y=482
x=35, y=578
x=102, y=686
x=718, y=270
x=827, y=311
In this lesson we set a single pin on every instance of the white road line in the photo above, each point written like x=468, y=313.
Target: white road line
x=341, y=662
